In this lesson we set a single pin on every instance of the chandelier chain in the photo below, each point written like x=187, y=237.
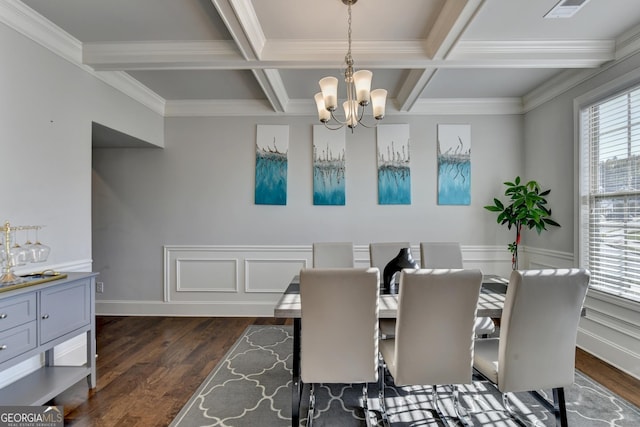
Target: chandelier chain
x=349, y=33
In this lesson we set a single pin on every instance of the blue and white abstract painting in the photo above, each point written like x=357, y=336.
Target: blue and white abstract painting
x=454, y=164
x=272, y=146
x=328, y=166
x=394, y=172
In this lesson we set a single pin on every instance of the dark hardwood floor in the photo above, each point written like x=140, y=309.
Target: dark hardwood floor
x=148, y=367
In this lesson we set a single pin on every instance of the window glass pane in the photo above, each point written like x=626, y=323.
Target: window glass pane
x=610, y=141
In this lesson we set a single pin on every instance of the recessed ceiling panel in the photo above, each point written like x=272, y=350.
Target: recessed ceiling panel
x=523, y=20
x=327, y=19
x=200, y=84
x=134, y=20
x=485, y=83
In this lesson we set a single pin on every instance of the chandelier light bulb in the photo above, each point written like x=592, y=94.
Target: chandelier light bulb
x=329, y=88
x=323, y=114
x=378, y=101
x=362, y=80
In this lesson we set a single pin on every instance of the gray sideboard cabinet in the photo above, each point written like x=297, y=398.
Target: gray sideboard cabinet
x=33, y=320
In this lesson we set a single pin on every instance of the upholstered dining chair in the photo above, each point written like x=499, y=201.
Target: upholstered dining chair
x=333, y=254
x=538, y=331
x=339, y=328
x=434, y=336
x=449, y=255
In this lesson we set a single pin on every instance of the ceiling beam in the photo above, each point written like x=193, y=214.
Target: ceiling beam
x=223, y=55
x=242, y=22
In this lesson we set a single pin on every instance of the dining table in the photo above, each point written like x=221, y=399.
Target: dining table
x=490, y=303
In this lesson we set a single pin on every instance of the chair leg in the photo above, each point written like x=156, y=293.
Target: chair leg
x=560, y=407
x=436, y=405
x=365, y=404
x=312, y=405
x=511, y=412
x=456, y=406
x=383, y=407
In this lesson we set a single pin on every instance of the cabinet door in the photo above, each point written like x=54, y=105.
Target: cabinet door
x=64, y=309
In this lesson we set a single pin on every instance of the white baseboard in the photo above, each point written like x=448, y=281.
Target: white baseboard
x=186, y=309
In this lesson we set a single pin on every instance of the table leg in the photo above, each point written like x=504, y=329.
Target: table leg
x=296, y=385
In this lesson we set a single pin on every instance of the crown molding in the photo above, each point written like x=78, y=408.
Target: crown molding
x=626, y=45
x=32, y=25
x=131, y=87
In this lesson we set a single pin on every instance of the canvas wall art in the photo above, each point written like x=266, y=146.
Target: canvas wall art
x=454, y=164
x=328, y=166
x=272, y=146
x=394, y=172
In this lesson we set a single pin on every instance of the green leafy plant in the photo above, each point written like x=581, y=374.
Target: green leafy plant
x=528, y=208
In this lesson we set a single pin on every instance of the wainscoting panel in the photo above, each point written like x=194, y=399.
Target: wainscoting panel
x=206, y=275
x=244, y=278
x=266, y=275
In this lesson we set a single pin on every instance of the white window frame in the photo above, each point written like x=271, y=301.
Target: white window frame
x=611, y=89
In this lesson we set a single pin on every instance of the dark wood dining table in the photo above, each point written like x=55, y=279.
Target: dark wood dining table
x=490, y=304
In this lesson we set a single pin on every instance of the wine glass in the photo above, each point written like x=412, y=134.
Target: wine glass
x=27, y=245
x=39, y=251
x=17, y=254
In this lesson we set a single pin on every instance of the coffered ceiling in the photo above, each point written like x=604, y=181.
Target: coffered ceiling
x=265, y=57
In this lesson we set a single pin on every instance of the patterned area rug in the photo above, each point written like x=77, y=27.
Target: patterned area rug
x=252, y=387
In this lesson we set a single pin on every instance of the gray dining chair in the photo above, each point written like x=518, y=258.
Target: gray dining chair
x=434, y=335
x=538, y=331
x=333, y=254
x=339, y=329
x=449, y=255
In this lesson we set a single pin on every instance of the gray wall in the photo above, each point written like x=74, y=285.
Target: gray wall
x=198, y=190
x=47, y=106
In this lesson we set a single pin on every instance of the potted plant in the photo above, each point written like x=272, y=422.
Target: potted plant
x=528, y=208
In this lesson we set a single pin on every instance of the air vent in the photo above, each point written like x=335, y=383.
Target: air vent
x=566, y=8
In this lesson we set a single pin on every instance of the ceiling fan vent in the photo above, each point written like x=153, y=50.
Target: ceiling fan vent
x=565, y=8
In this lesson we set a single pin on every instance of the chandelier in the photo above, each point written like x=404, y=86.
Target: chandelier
x=359, y=93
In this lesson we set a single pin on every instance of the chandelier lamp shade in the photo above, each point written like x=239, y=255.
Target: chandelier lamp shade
x=359, y=94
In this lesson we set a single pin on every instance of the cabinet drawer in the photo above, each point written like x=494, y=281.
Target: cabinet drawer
x=64, y=309
x=16, y=341
x=17, y=311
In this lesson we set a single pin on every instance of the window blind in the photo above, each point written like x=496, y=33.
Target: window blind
x=610, y=193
